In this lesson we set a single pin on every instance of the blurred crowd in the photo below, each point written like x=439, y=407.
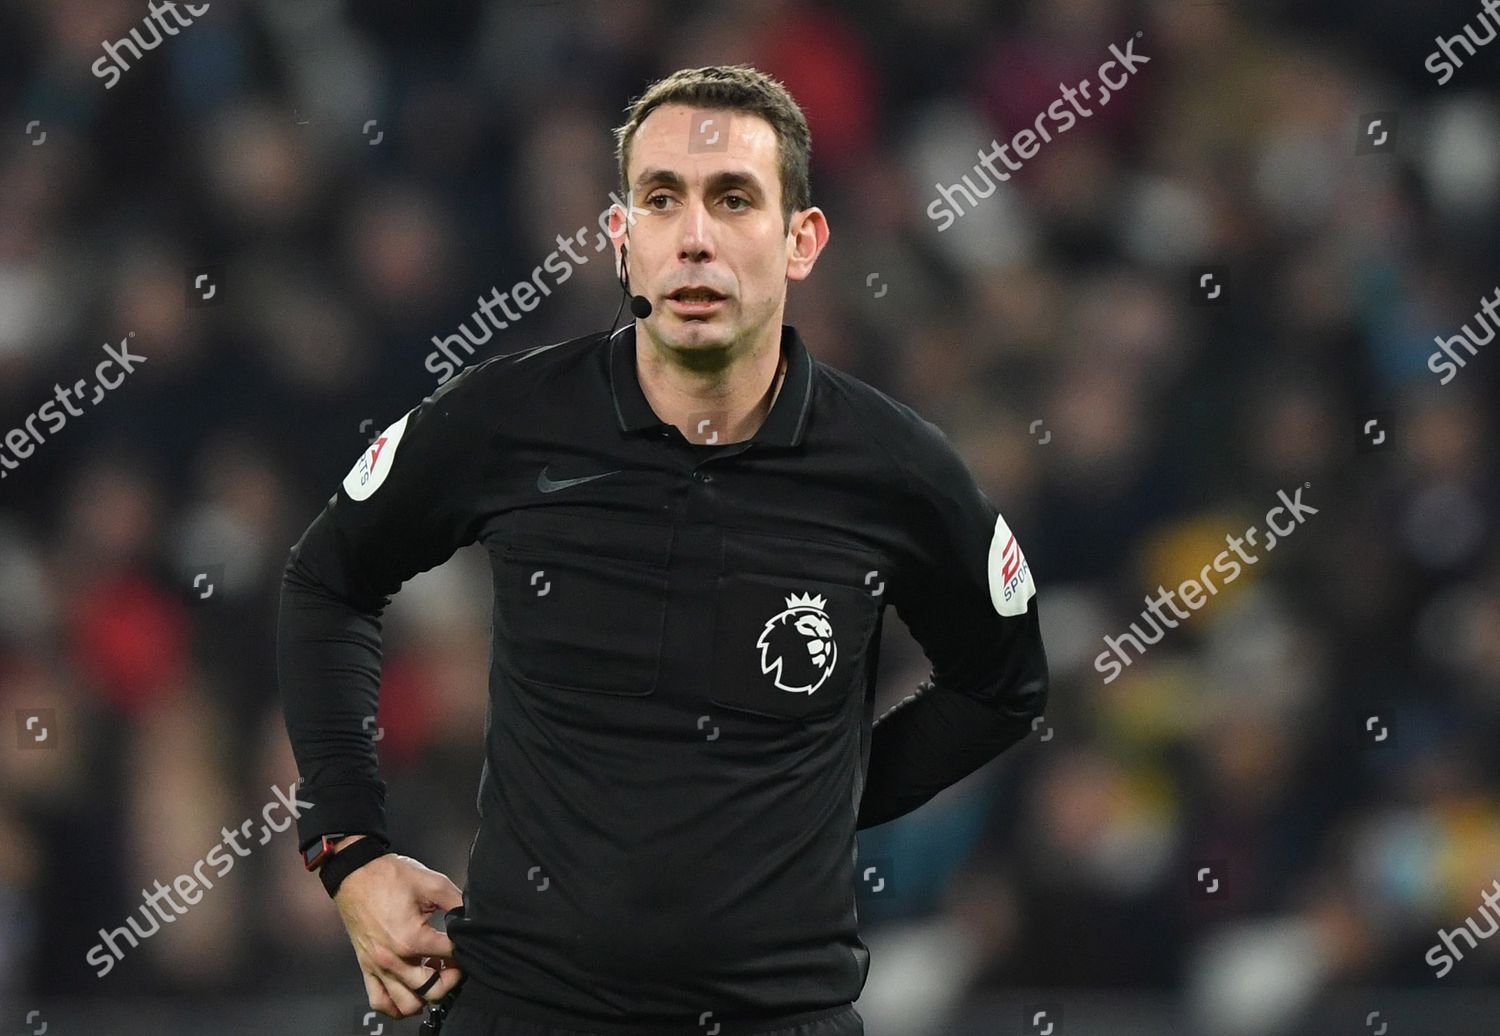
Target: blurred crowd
x=1283, y=800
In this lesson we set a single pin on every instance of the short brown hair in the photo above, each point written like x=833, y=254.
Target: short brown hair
x=736, y=88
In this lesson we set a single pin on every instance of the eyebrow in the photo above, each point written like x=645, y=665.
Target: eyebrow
x=720, y=180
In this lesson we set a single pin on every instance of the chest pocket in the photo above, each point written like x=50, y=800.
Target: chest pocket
x=793, y=625
x=581, y=600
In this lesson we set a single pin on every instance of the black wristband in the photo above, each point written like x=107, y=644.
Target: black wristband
x=349, y=859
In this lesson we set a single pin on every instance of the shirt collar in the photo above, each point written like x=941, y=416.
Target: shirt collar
x=783, y=426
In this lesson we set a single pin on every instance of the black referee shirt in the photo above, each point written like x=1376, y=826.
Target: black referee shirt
x=679, y=742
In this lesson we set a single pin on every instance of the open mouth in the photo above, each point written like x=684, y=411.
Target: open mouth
x=695, y=295
x=695, y=301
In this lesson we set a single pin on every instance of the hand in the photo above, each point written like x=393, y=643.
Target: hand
x=385, y=906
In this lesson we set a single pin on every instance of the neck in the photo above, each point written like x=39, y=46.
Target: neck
x=711, y=404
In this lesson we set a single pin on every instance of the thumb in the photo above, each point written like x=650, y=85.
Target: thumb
x=438, y=890
x=427, y=941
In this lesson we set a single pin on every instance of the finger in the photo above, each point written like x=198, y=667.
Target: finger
x=441, y=979
x=451, y=976
x=379, y=999
x=407, y=1002
x=408, y=973
x=433, y=974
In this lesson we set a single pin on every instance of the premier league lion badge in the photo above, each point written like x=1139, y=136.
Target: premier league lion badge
x=797, y=646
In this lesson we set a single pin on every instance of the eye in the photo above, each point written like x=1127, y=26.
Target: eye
x=739, y=198
x=651, y=200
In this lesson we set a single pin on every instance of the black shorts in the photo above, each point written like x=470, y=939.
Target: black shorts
x=475, y=1012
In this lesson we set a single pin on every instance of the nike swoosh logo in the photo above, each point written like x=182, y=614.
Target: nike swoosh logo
x=548, y=485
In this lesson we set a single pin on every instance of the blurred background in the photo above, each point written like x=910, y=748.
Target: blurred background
x=286, y=203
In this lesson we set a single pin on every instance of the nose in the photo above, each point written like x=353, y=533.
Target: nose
x=696, y=244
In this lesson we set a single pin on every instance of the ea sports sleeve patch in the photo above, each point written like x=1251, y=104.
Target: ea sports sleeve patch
x=1010, y=581
x=374, y=464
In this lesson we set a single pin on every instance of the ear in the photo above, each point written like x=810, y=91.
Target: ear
x=806, y=238
x=617, y=237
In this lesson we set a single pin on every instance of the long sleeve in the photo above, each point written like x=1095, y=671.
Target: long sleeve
x=400, y=510
x=966, y=593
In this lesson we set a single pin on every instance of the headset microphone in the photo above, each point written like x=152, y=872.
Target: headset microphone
x=640, y=306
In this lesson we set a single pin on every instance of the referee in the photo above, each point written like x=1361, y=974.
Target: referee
x=694, y=528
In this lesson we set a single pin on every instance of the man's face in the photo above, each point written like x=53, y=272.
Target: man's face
x=707, y=192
